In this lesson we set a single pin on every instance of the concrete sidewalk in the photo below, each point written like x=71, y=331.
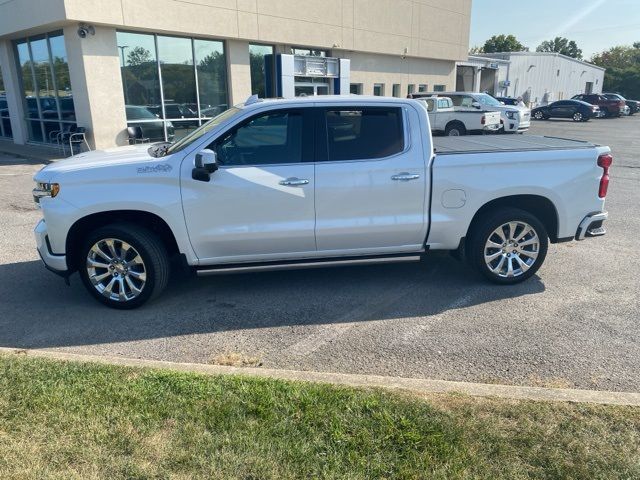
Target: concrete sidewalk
x=28, y=153
x=413, y=385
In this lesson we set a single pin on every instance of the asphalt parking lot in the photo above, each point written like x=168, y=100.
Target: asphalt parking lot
x=576, y=324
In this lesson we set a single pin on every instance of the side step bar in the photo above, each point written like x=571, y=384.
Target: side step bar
x=297, y=265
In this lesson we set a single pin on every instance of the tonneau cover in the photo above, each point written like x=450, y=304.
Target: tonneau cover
x=504, y=143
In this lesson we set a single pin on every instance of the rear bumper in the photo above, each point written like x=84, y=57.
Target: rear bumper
x=56, y=263
x=592, y=226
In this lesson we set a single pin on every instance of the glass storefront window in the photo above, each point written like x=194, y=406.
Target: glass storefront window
x=171, y=84
x=178, y=84
x=46, y=86
x=211, y=68
x=258, y=66
x=5, y=123
x=141, y=83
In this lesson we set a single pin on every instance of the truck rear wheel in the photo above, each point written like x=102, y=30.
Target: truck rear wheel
x=123, y=265
x=455, y=129
x=507, y=246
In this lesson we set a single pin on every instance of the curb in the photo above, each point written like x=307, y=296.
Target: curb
x=414, y=385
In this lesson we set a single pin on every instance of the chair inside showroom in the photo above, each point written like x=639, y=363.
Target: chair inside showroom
x=59, y=137
x=136, y=135
x=78, y=138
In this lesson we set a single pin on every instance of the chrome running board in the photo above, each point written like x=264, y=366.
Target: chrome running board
x=297, y=265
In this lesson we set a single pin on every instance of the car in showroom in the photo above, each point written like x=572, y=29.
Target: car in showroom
x=574, y=109
x=152, y=127
x=634, y=105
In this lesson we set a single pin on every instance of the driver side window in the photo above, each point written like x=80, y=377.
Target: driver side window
x=267, y=139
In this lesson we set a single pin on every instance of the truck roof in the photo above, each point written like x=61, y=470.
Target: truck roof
x=357, y=99
x=512, y=143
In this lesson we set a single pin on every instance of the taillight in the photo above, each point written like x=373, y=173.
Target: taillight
x=604, y=161
x=483, y=120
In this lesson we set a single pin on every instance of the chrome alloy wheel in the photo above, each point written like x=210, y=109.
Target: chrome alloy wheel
x=116, y=269
x=511, y=249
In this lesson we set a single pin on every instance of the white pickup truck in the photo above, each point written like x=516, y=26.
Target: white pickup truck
x=444, y=118
x=321, y=181
x=513, y=119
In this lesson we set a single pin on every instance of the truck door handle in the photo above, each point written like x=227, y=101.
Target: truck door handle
x=405, y=177
x=294, y=182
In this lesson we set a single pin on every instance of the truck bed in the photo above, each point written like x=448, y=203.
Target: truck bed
x=510, y=143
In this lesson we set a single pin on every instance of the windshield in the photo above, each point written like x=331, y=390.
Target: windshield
x=488, y=100
x=205, y=128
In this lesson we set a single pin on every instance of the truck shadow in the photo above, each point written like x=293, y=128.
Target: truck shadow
x=38, y=311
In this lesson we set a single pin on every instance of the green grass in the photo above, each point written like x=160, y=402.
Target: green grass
x=72, y=420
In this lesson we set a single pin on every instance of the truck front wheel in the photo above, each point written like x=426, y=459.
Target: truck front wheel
x=507, y=246
x=123, y=265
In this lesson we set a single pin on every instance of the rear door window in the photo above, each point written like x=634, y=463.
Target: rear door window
x=362, y=133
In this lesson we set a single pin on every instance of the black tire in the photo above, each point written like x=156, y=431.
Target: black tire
x=455, y=129
x=540, y=116
x=147, y=245
x=482, y=232
x=578, y=117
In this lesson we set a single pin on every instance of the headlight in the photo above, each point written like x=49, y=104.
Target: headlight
x=511, y=115
x=45, y=190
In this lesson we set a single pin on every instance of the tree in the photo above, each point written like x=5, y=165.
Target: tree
x=139, y=56
x=623, y=69
x=561, y=45
x=475, y=50
x=503, y=43
x=618, y=57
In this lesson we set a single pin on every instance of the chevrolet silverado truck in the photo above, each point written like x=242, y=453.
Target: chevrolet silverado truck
x=315, y=182
x=445, y=119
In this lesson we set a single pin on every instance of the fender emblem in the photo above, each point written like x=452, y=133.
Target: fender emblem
x=160, y=168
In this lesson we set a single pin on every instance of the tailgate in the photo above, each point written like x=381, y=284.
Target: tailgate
x=492, y=118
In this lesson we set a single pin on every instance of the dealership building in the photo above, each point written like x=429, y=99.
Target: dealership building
x=163, y=67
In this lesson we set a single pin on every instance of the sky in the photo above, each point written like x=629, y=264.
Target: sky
x=595, y=25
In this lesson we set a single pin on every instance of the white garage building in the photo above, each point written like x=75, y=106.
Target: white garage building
x=537, y=77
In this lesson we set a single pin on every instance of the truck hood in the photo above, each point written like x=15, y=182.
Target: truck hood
x=111, y=157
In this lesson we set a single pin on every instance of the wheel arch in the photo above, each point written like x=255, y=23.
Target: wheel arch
x=456, y=123
x=86, y=224
x=540, y=207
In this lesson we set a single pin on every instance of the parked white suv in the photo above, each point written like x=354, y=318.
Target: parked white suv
x=314, y=182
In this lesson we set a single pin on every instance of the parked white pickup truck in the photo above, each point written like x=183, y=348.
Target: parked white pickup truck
x=314, y=182
x=444, y=118
x=513, y=119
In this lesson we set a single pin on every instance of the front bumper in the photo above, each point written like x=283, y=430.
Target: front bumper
x=55, y=263
x=592, y=226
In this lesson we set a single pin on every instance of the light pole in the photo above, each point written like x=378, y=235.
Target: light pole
x=124, y=76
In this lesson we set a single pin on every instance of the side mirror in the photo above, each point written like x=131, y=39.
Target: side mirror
x=476, y=105
x=206, y=163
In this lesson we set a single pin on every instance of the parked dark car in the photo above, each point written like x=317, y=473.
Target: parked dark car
x=508, y=101
x=575, y=109
x=634, y=105
x=610, y=108
x=152, y=127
